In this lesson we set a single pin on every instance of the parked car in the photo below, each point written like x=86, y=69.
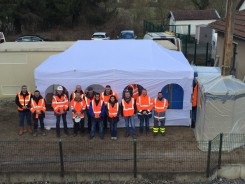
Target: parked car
x=30, y=38
x=164, y=36
x=100, y=36
x=2, y=38
x=127, y=34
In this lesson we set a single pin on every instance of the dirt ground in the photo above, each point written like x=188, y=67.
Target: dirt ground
x=9, y=129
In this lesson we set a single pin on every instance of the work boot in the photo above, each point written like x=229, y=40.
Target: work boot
x=30, y=129
x=21, y=131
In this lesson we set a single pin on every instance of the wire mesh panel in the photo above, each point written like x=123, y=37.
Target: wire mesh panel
x=29, y=156
x=98, y=156
x=233, y=149
x=170, y=157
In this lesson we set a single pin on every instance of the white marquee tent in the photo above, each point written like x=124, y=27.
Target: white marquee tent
x=119, y=63
x=220, y=109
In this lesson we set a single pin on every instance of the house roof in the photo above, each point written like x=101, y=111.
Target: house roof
x=239, y=24
x=194, y=14
x=239, y=4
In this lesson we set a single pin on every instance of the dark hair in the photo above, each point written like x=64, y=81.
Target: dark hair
x=107, y=86
x=159, y=92
x=36, y=91
x=90, y=89
x=24, y=86
x=96, y=94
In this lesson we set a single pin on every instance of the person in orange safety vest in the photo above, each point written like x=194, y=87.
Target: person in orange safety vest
x=78, y=107
x=60, y=106
x=78, y=89
x=38, y=109
x=23, y=102
x=160, y=107
x=113, y=111
x=144, y=105
x=105, y=96
x=97, y=111
x=88, y=98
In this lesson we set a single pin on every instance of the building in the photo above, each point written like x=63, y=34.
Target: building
x=238, y=38
x=183, y=18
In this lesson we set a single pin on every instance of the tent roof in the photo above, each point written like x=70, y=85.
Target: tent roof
x=117, y=58
x=220, y=85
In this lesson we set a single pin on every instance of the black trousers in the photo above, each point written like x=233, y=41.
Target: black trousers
x=58, y=116
x=35, y=120
x=105, y=121
x=78, y=126
x=89, y=121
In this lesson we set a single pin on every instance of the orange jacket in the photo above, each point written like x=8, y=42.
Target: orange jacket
x=135, y=90
x=113, y=111
x=194, y=96
x=59, y=103
x=97, y=110
x=160, y=106
x=87, y=101
x=128, y=108
x=144, y=103
x=106, y=98
x=38, y=106
x=24, y=101
x=78, y=107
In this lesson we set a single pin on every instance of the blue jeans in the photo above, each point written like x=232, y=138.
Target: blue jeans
x=93, y=128
x=22, y=116
x=113, y=129
x=144, y=118
x=130, y=119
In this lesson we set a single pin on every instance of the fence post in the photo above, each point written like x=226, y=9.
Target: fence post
x=220, y=150
x=207, y=54
x=195, y=52
x=135, y=158
x=186, y=43
x=62, y=170
x=208, y=159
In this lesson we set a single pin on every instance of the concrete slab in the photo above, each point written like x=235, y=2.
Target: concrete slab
x=230, y=171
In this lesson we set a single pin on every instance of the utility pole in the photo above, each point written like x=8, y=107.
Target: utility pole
x=227, y=52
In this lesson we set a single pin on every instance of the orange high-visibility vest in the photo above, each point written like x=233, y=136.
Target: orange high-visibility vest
x=128, y=108
x=194, y=96
x=59, y=104
x=24, y=100
x=38, y=106
x=78, y=107
x=97, y=108
x=144, y=103
x=73, y=94
x=113, y=111
x=106, y=98
x=135, y=90
x=160, y=106
x=88, y=100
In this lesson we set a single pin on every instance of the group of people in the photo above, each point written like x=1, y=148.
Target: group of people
x=101, y=109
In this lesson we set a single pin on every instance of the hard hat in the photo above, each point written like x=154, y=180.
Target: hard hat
x=60, y=88
x=77, y=119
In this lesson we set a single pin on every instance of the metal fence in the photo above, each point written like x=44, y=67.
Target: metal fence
x=122, y=156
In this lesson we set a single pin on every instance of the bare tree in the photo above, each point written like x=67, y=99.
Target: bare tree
x=201, y=4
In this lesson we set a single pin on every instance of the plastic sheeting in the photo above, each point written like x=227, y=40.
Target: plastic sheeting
x=119, y=63
x=220, y=107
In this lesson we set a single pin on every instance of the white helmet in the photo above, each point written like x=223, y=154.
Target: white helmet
x=60, y=88
x=77, y=119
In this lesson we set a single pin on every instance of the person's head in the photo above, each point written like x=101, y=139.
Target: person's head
x=90, y=90
x=37, y=93
x=97, y=96
x=112, y=98
x=78, y=88
x=127, y=94
x=159, y=95
x=59, y=90
x=77, y=95
x=108, y=89
x=24, y=89
x=144, y=92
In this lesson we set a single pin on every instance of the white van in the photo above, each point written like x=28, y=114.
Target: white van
x=2, y=38
x=164, y=36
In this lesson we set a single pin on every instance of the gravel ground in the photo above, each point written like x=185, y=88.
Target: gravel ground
x=145, y=181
